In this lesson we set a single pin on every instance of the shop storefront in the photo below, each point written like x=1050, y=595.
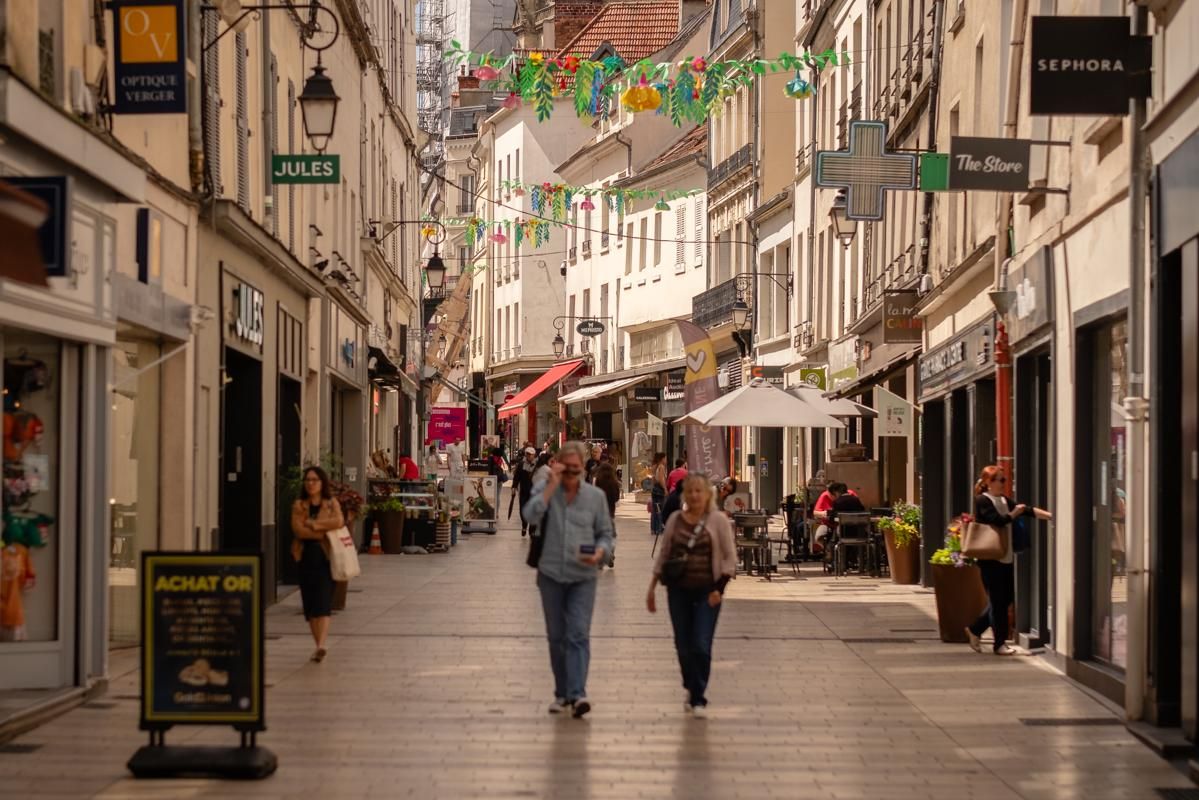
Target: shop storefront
x=1030, y=335
x=957, y=439
x=530, y=413
x=346, y=411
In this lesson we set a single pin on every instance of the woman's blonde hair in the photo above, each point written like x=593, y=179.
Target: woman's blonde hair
x=703, y=480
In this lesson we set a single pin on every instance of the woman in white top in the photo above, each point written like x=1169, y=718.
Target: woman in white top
x=993, y=507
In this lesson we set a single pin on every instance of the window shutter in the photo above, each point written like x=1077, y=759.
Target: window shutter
x=395, y=240
x=680, y=233
x=242, y=122
x=699, y=231
x=212, y=104
x=274, y=143
x=291, y=148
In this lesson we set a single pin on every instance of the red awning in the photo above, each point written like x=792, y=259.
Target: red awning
x=530, y=392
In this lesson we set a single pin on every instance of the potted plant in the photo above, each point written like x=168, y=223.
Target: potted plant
x=389, y=513
x=901, y=531
x=957, y=584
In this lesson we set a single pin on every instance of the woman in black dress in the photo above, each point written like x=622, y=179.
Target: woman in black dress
x=313, y=513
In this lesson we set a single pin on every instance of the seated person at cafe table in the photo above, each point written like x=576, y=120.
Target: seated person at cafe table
x=826, y=507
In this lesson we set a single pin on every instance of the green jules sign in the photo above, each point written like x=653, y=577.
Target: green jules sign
x=305, y=169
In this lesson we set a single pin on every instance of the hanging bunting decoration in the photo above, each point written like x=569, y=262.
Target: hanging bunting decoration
x=661, y=205
x=685, y=91
x=499, y=237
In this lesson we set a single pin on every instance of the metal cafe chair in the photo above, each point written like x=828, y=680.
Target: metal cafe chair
x=853, y=532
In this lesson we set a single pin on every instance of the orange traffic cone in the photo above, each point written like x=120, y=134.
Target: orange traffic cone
x=376, y=548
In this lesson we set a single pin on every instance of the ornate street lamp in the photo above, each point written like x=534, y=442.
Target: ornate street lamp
x=740, y=314
x=844, y=227
x=559, y=346
x=318, y=107
x=435, y=271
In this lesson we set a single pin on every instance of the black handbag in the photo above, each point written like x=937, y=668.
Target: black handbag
x=674, y=569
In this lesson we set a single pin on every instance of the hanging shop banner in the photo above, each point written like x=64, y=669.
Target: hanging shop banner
x=1087, y=66
x=894, y=414
x=707, y=447
x=655, y=426
x=149, y=61
x=813, y=376
x=842, y=363
x=590, y=327
x=446, y=425
x=901, y=318
x=1033, y=284
x=321, y=168
x=996, y=165
x=202, y=640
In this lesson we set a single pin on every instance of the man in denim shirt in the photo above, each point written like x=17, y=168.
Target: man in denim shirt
x=579, y=537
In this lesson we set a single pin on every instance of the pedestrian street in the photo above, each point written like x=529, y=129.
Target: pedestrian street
x=437, y=682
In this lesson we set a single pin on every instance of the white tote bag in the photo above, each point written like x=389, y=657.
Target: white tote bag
x=343, y=556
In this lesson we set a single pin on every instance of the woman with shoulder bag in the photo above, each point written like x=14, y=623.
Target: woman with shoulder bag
x=993, y=507
x=697, y=562
x=313, y=513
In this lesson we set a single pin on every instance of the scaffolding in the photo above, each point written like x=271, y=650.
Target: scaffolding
x=430, y=78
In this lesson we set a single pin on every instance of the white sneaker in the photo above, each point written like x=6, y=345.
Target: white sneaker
x=559, y=706
x=582, y=706
x=1006, y=650
x=699, y=712
x=975, y=641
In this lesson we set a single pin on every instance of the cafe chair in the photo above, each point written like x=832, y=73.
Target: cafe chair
x=853, y=533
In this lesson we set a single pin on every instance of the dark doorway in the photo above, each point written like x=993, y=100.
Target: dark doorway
x=934, y=455
x=1186, y=264
x=241, y=454
x=770, y=468
x=289, y=428
x=1033, y=440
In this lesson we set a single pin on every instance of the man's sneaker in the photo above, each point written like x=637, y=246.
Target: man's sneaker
x=1006, y=650
x=582, y=706
x=975, y=642
x=559, y=706
x=699, y=712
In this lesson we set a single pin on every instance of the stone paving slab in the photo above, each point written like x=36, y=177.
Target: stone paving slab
x=438, y=677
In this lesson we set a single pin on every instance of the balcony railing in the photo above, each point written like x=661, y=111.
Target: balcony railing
x=715, y=306
x=604, y=240
x=587, y=248
x=730, y=166
x=573, y=253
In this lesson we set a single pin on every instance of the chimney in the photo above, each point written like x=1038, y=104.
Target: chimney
x=690, y=9
x=569, y=19
x=467, y=82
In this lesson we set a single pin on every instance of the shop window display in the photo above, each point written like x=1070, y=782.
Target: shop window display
x=29, y=556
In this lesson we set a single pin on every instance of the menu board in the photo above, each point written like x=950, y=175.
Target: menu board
x=202, y=640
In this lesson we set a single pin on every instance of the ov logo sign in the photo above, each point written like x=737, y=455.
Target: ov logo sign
x=148, y=35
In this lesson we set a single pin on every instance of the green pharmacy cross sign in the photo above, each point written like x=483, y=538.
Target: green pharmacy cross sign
x=865, y=170
x=305, y=169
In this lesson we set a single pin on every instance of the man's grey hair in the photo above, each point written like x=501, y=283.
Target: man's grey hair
x=573, y=448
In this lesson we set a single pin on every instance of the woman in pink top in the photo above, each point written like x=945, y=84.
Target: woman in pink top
x=677, y=474
x=704, y=538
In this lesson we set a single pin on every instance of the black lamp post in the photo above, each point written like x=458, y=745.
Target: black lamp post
x=844, y=227
x=559, y=346
x=435, y=271
x=740, y=314
x=318, y=107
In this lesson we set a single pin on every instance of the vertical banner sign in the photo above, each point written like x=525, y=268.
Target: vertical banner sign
x=901, y=319
x=894, y=413
x=149, y=57
x=707, y=449
x=202, y=640
x=446, y=425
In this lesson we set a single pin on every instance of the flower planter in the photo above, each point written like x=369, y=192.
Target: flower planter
x=904, y=561
x=960, y=599
x=391, y=531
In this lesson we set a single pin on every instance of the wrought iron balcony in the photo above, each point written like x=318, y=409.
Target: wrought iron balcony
x=715, y=306
x=730, y=166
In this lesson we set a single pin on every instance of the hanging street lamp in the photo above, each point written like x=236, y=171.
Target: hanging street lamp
x=318, y=107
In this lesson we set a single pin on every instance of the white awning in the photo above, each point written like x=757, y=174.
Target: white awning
x=599, y=390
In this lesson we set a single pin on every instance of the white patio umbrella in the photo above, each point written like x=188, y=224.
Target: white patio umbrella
x=760, y=405
x=833, y=406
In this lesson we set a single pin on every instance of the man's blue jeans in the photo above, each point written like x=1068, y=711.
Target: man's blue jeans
x=694, y=624
x=568, y=608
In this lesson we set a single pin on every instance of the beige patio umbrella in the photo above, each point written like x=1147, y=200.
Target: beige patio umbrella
x=760, y=405
x=833, y=406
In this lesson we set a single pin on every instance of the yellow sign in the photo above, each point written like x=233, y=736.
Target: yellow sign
x=148, y=34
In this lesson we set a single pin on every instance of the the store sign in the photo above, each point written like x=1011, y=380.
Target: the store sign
x=54, y=235
x=901, y=318
x=1087, y=65
x=1033, y=284
x=149, y=57
x=674, y=389
x=894, y=414
x=842, y=362
x=590, y=327
x=997, y=165
x=647, y=394
x=814, y=376
x=202, y=640
x=772, y=375
x=959, y=359
x=322, y=168
x=447, y=425
x=249, y=320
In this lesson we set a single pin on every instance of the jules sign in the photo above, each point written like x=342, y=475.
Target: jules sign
x=150, y=67
x=305, y=169
x=1087, y=66
x=997, y=165
x=901, y=320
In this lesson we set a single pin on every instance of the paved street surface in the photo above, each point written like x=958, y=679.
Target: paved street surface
x=438, y=679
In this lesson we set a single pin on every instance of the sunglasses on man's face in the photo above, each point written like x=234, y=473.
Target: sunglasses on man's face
x=572, y=471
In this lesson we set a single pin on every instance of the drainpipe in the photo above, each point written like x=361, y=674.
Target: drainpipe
x=934, y=83
x=268, y=118
x=1003, y=224
x=1136, y=404
x=195, y=133
x=629, y=147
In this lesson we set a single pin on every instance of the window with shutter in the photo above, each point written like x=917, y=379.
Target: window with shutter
x=699, y=231
x=212, y=104
x=395, y=240
x=242, y=121
x=274, y=143
x=680, y=233
x=291, y=148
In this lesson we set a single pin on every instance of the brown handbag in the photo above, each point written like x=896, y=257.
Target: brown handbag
x=985, y=541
